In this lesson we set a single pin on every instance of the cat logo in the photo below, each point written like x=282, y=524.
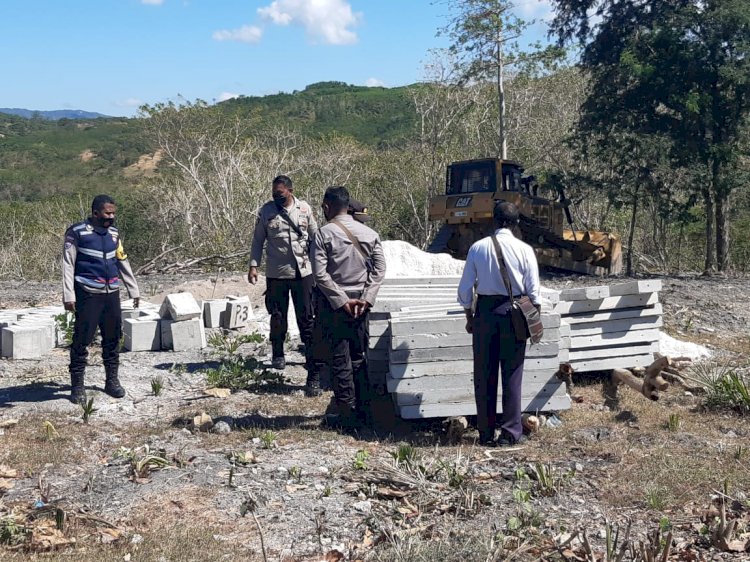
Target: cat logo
x=463, y=201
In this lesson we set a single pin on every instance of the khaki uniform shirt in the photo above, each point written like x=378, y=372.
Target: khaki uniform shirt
x=339, y=267
x=286, y=252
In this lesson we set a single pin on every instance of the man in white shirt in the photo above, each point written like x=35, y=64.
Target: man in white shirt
x=495, y=345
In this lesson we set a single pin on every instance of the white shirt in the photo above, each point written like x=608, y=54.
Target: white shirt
x=483, y=270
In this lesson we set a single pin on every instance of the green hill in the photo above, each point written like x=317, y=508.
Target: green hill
x=41, y=158
x=373, y=116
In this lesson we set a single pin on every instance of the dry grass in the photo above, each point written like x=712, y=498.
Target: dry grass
x=29, y=446
x=645, y=465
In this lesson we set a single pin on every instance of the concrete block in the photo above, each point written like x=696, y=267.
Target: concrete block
x=130, y=313
x=238, y=313
x=214, y=312
x=48, y=327
x=585, y=293
x=6, y=321
x=24, y=342
x=635, y=287
x=182, y=336
x=180, y=307
x=141, y=334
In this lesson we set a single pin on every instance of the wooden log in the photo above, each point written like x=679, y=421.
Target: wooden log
x=530, y=422
x=623, y=376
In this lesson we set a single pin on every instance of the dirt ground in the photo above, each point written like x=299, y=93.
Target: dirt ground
x=139, y=482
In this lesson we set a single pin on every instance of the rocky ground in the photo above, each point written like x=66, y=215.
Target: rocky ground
x=140, y=481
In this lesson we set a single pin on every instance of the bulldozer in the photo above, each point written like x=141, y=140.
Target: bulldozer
x=471, y=189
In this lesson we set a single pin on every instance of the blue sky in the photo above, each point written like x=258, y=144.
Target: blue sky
x=111, y=56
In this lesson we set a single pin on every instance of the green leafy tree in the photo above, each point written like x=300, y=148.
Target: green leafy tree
x=485, y=40
x=681, y=69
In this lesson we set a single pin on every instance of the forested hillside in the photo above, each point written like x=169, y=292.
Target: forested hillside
x=189, y=176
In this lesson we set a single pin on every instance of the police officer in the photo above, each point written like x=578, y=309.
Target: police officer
x=94, y=263
x=494, y=340
x=286, y=225
x=349, y=267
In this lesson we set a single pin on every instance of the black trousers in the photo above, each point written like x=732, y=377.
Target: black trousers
x=341, y=343
x=277, y=305
x=92, y=311
x=496, y=349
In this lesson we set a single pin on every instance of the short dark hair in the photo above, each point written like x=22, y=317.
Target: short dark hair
x=286, y=181
x=505, y=214
x=99, y=201
x=337, y=198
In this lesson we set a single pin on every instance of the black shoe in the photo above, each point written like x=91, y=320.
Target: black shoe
x=112, y=385
x=77, y=390
x=278, y=363
x=78, y=395
x=507, y=440
x=312, y=389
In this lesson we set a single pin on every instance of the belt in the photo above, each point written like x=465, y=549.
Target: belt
x=497, y=298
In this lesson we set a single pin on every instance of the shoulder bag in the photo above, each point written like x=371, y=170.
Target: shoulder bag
x=527, y=322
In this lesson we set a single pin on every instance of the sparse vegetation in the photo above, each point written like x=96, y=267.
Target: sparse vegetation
x=88, y=410
x=157, y=384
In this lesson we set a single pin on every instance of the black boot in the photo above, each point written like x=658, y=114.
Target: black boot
x=112, y=385
x=312, y=387
x=77, y=390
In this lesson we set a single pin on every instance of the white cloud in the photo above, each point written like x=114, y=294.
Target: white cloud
x=244, y=34
x=535, y=9
x=153, y=2
x=129, y=102
x=328, y=20
x=224, y=96
x=374, y=83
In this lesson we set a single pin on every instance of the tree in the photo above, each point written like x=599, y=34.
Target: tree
x=681, y=69
x=484, y=36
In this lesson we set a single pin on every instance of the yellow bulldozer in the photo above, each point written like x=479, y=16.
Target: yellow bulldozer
x=471, y=189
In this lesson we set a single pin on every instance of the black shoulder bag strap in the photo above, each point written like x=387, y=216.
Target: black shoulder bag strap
x=503, y=268
x=285, y=215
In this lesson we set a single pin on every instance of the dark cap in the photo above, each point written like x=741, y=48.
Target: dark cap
x=358, y=211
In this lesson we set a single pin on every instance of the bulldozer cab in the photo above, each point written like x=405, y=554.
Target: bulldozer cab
x=475, y=176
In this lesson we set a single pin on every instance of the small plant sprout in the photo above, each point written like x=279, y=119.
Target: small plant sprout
x=157, y=384
x=88, y=410
x=360, y=460
x=295, y=472
x=673, y=424
x=268, y=439
x=49, y=430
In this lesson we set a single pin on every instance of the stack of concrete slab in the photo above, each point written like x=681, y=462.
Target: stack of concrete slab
x=421, y=352
x=28, y=333
x=615, y=326
x=178, y=326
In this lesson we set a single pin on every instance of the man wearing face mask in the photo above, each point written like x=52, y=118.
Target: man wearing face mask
x=349, y=267
x=93, y=265
x=286, y=225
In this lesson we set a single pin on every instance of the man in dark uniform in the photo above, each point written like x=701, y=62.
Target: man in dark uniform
x=349, y=267
x=494, y=340
x=94, y=262
x=285, y=225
